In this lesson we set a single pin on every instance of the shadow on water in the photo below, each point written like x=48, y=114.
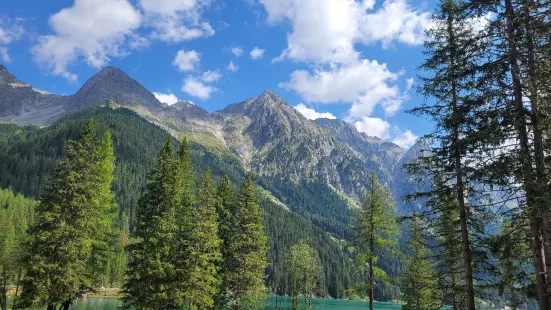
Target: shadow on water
x=112, y=303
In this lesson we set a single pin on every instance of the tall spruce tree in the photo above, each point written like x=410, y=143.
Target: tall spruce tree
x=151, y=271
x=515, y=80
x=104, y=230
x=249, y=259
x=227, y=211
x=376, y=230
x=419, y=283
x=454, y=47
x=204, y=249
x=65, y=233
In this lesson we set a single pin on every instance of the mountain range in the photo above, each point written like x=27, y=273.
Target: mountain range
x=266, y=134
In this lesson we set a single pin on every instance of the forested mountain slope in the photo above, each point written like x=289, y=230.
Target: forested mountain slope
x=264, y=133
x=307, y=211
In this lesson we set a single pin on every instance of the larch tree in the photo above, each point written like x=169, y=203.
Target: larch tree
x=305, y=273
x=204, y=249
x=376, y=230
x=419, y=280
x=16, y=216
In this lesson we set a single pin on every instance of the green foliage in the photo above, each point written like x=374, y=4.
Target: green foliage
x=28, y=155
x=246, y=283
x=419, y=280
x=155, y=255
x=69, y=232
x=226, y=209
x=306, y=274
x=203, y=254
x=16, y=215
x=376, y=230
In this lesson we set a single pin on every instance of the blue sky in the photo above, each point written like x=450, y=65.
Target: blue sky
x=351, y=59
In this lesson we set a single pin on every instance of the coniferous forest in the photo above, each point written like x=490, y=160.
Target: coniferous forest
x=104, y=199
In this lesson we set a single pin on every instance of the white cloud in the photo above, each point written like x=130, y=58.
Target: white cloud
x=93, y=29
x=187, y=61
x=311, y=113
x=257, y=53
x=169, y=99
x=232, y=67
x=365, y=85
x=406, y=139
x=374, y=126
x=176, y=20
x=325, y=31
x=237, y=51
x=211, y=76
x=194, y=87
x=10, y=31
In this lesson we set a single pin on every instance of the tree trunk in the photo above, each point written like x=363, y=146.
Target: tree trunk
x=371, y=283
x=465, y=242
x=14, y=307
x=372, y=250
x=50, y=307
x=66, y=305
x=520, y=122
x=4, y=297
x=539, y=153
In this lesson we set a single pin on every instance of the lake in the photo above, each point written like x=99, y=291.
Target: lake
x=111, y=303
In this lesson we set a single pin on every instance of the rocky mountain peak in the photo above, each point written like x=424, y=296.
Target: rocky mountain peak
x=7, y=78
x=112, y=83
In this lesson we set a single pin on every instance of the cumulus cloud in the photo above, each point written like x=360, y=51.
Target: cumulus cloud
x=10, y=31
x=176, y=20
x=365, y=85
x=256, y=53
x=187, y=61
x=237, y=51
x=232, y=67
x=326, y=30
x=93, y=29
x=310, y=113
x=211, y=76
x=98, y=30
x=169, y=99
x=374, y=126
x=196, y=88
x=405, y=139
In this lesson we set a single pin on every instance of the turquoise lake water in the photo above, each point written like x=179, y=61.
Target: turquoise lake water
x=111, y=303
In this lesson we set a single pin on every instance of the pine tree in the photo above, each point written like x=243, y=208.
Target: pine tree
x=227, y=210
x=65, y=232
x=151, y=272
x=204, y=249
x=246, y=283
x=376, y=231
x=419, y=283
x=454, y=50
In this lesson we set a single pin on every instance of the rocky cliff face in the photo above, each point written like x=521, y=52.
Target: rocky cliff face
x=113, y=84
x=22, y=104
x=268, y=135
